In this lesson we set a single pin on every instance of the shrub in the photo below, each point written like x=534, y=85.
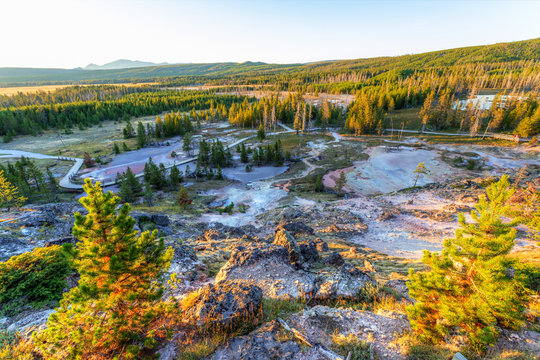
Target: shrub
x=36, y=279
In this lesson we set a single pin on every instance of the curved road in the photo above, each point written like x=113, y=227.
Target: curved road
x=66, y=181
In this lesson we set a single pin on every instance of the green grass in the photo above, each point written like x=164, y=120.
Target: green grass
x=358, y=349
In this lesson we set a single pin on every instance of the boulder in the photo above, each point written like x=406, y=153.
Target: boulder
x=11, y=246
x=295, y=228
x=334, y=259
x=185, y=261
x=285, y=239
x=38, y=219
x=226, y=304
x=269, y=267
x=346, y=283
x=322, y=246
x=160, y=220
x=309, y=252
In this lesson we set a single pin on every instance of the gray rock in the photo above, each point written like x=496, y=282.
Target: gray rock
x=334, y=259
x=400, y=288
x=346, y=283
x=267, y=342
x=160, y=220
x=285, y=239
x=226, y=304
x=29, y=321
x=323, y=323
x=295, y=228
x=309, y=252
x=322, y=246
x=62, y=240
x=269, y=267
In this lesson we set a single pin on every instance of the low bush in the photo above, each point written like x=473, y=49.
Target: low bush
x=35, y=279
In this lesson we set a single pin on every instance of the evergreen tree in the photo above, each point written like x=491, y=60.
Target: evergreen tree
x=244, y=157
x=188, y=139
x=9, y=194
x=52, y=185
x=219, y=175
x=124, y=147
x=115, y=311
x=183, y=198
x=174, y=177
x=340, y=182
x=319, y=187
x=471, y=285
x=130, y=187
x=148, y=194
x=260, y=133
x=128, y=131
x=116, y=149
x=141, y=136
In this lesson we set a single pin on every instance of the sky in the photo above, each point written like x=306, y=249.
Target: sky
x=73, y=33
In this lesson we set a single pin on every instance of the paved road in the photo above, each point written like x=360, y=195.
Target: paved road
x=67, y=183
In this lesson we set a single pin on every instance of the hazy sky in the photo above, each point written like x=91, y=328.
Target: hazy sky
x=71, y=33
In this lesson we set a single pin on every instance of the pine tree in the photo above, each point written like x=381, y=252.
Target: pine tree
x=116, y=149
x=141, y=136
x=188, y=138
x=420, y=170
x=128, y=131
x=115, y=311
x=124, y=147
x=183, y=198
x=130, y=187
x=260, y=133
x=148, y=194
x=340, y=182
x=244, y=157
x=319, y=187
x=219, y=175
x=471, y=285
x=9, y=194
x=174, y=177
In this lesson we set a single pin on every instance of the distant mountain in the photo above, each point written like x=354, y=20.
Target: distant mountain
x=527, y=50
x=122, y=64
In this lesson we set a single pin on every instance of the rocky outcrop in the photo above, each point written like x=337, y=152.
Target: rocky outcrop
x=269, y=267
x=399, y=287
x=268, y=342
x=285, y=239
x=27, y=321
x=322, y=246
x=322, y=323
x=226, y=304
x=346, y=283
x=334, y=259
x=309, y=251
x=295, y=228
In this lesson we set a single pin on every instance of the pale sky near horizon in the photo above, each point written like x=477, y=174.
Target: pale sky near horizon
x=72, y=33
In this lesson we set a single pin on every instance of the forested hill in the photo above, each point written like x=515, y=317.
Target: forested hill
x=498, y=53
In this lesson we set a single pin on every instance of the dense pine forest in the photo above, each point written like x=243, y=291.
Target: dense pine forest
x=431, y=82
